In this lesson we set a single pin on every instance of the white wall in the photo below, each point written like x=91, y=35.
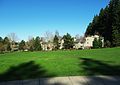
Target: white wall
x=89, y=41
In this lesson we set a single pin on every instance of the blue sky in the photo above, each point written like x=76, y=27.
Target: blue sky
x=35, y=17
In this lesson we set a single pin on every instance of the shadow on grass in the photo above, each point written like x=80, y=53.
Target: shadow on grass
x=96, y=67
x=27, y=73
x=28, y=70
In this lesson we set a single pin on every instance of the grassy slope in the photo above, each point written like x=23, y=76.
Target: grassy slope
x=60, y=63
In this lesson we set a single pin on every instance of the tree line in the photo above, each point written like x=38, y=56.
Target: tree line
x=5, y=44
x=107, y=24
x=34, y=44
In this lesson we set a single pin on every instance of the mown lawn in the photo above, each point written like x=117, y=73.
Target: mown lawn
x=27, y=65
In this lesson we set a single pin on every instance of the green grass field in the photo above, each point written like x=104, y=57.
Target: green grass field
x=27, y=65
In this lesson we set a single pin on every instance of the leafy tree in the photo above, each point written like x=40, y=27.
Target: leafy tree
x=68, y=41
x=56, y=42
x=22, y=45
x=37, y=44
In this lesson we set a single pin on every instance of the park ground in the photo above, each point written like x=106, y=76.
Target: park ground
x=29, y=65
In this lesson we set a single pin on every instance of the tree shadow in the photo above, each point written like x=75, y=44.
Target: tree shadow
x=28, y=73
x=96, y=67
x=99, y=73
x=28, y=70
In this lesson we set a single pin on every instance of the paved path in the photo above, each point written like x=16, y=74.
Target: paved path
x=71, y=80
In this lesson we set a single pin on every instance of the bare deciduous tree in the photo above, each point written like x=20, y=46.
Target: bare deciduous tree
x=30, y=43
x=12, y=37
x=57, y=33
x=77, y=36
x=48, y=36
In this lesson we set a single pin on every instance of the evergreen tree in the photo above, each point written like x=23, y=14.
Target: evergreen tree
x=22, y=45
x=116, y=27
x=95, y=43
x=107, y=44
x=107, y=23
x=1, y=40
x=37, y=44
x=68, y=41
x=7, y=44
x=8, y=47
x=1, y=45
x=31, y=45
x=99, y=43
x=6, y=40
x=56, y=42
x=31, y=48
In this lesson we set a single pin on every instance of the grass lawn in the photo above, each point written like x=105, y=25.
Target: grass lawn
x=27, y=65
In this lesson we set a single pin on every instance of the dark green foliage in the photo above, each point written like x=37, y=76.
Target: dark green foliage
x=68, y=41
x=22, y=45
x=31, y=48
x=37, y=45
x=1, y=47
x=107, y=23
x=100, y=43
x=6, y=40
x=107, y=44
x=116, y=27
x=31, y=44
x=56, y=42
x=97, y=43
x=1, y=40
x=116, y=37
x=7, y=44
x=1, y=44
x=8, y=47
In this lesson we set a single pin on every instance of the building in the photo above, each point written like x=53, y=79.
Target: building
x=81, y=43
x=14, y=46
x=87, y=42
x=47, y=46
x=78, y=43
x=61, y=41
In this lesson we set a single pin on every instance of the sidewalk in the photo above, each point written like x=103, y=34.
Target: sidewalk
x=71, y=80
